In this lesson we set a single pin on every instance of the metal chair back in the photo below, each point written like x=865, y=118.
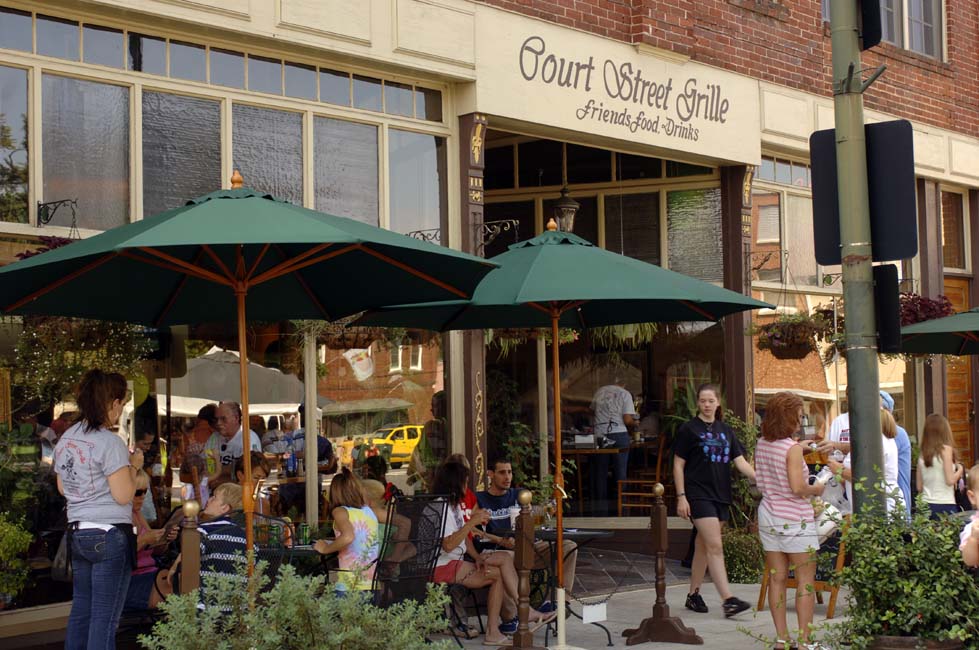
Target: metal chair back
x=409, y=548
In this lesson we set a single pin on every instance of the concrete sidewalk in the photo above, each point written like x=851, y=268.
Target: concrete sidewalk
x=628, y=609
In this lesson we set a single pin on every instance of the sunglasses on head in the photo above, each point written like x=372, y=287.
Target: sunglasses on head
x=140, y=493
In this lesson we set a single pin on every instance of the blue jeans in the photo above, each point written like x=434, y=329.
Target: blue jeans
x=599, y=471
x=101, y=564
x=939, y=509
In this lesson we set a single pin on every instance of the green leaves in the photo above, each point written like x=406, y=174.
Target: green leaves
x=297, y=613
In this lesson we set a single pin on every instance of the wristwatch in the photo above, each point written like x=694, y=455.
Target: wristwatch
x=682, y=494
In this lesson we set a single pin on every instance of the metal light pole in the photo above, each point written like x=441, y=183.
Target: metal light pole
x=862, y=380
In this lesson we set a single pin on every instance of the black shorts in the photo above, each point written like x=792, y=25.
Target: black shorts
x=703, y=508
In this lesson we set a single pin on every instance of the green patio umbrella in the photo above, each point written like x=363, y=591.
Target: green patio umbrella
x=234, y=252
x=558, y=279
x=955, y=334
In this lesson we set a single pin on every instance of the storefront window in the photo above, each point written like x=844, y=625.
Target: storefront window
x=428, y=104
x=188, y=61
x=57, y=37
x=953, y=231
x=540, y=162
x=85, y=131
x=802, y=267
x=499, y=168
x=694, y=233
x=632, y=225
x=398, y=99
x=181, y=150
x=766, y=253
x=368, y=93
x=418, y=182
x=103, y=46
x=588, y=164
x=13, y=145
x=227, y=68
x=264, y=75
x=300, y=81
x=147, y=54
x=345, y=160
x=268, y=150
x=629, y=167
x=15, y=30
x=335, y=87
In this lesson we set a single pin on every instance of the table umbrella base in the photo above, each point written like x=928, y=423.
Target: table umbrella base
x=663, y=628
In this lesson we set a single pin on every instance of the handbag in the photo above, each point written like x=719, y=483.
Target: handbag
x=61, y=566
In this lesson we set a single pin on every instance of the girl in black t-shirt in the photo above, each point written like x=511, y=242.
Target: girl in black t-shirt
x=703, y=450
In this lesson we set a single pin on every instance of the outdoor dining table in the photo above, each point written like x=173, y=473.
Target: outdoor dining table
x=581, y=537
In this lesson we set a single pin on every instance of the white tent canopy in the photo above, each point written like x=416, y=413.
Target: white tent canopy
x=215, y=376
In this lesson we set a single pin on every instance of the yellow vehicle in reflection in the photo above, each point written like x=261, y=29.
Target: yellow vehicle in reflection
x=403, y=440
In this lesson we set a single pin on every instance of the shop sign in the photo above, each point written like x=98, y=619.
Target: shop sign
x=537, y=72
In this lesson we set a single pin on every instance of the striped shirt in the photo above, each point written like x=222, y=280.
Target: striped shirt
x=772, y=475
x=222, y=552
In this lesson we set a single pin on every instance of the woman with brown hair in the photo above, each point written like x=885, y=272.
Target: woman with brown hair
x=937, y=470
x=97, y=476
x=786, y=521
x=355, y=525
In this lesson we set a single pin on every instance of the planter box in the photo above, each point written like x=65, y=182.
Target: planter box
x=32, y=620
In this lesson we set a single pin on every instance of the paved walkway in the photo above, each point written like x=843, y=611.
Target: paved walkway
x=627, y=609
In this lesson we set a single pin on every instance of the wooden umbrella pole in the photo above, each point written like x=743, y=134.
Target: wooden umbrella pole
x=558, y=473
x=248, y=502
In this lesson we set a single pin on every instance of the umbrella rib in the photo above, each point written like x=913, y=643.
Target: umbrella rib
x=283, y=266
x=258, y=260
x=312, y=296
x=703, y=312
x=217, y=260
x=290, y=266
x=177, y=264
x=415, y=272
x=68, y=278
x=176, y=292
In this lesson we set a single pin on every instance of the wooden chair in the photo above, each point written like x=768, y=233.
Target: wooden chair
x=822, y=582
x=636, y=493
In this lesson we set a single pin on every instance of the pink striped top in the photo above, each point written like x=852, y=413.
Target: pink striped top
x=773, y=480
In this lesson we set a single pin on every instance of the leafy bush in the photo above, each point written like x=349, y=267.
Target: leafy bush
x=297, y=613
x=906, y=579
x=744, y=506
x=14, y=571
x=743, y=556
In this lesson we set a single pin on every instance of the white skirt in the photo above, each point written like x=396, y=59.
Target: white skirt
x=786, y=535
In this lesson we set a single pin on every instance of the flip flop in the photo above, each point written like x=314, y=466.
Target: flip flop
x=505, y=643
x=543, y=621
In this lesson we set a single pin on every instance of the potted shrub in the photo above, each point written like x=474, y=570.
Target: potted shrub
x=906, y=585
x=792, y=336
x=14, y=570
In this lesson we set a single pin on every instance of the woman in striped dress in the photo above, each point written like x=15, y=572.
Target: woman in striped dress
x=786, y=521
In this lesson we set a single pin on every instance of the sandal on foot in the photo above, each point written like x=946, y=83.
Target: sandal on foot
x=505, y=642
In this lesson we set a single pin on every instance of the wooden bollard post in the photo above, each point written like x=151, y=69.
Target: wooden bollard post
x=524, y=562
x=661, y=626
x=190, y=548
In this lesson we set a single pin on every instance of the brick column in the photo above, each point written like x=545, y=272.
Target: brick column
x=736, y=232
x=932, y=281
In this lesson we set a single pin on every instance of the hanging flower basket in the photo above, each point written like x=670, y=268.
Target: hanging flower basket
x=916, y=308
x=791, y=336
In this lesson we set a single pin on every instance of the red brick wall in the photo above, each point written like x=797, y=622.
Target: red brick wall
x=787, y=43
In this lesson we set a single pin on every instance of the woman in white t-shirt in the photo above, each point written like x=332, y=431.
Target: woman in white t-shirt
x=889, y=465
x=97, y=476
x=451, y=568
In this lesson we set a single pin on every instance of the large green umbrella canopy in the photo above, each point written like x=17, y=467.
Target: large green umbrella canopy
x=955, y=334
x=231, y=253
x=558, y=279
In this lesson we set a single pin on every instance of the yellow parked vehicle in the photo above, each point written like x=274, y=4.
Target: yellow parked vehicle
x=403, y=440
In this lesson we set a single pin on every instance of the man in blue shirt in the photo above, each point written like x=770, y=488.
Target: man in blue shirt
x=903, y=453
x=500, y=500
